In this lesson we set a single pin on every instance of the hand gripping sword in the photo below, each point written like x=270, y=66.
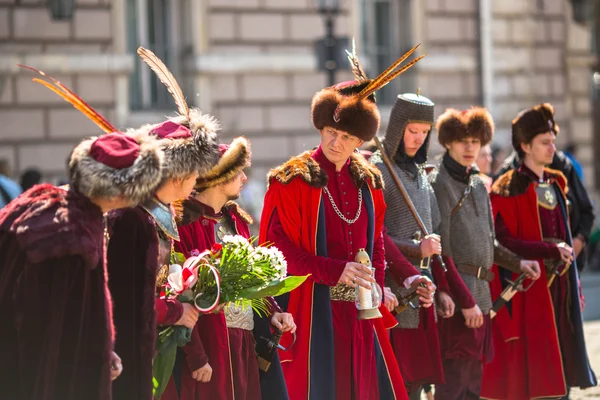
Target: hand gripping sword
x=406, y=197
x=266, y=348
x=508, y=293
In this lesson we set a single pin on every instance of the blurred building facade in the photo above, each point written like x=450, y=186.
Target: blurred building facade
x=252, y=64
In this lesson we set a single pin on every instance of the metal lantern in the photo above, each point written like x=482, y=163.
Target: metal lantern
x=328, y=6
x=61, y=10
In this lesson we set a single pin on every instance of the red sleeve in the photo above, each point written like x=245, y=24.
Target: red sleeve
x=167, y=311
x=323, y=270
x=273, y=305
x=398, y=264
x=439, y=276
x=530, y=249
x=195, y=356
x=379, y=260
x=455, y=283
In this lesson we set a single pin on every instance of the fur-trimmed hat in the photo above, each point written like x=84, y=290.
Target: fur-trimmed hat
x=234, y=158
x=190, y=139
x=350, y=106
x=339, y=108
x=190, y=143
x=531, y=122
x=117, y=164
x=454, y=125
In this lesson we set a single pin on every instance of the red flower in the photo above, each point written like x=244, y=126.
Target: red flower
x=216, y=248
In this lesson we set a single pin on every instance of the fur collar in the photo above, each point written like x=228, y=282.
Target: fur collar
x=50, y=222
x=310, y=171
x=514, y=183
x=190, y=210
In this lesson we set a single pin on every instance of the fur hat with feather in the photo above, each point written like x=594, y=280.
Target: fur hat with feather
x=454, y=125
x=111, y=165
x=189, y=139
x=350, y=106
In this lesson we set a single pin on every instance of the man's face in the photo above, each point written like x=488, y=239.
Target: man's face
x=484, y=160
x=233, y=189
x=415, y=134
x=541, y=149
x=338, y=145
x=176, y=188
x=464, y=151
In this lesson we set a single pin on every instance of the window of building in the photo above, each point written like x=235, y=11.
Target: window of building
x=151, y=23
x=386, y=31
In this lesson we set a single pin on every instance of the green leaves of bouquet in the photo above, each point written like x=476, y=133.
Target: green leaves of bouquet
x=234, y=271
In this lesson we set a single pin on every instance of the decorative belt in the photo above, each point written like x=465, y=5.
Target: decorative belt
x=342, y=292
x=478, y=272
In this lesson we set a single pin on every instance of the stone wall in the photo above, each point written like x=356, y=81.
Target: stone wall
x=251, y=63
x=266, y=88
x=37, y=128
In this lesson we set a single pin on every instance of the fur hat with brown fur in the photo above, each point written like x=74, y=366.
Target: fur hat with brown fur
x=234, y=158
x=454, y=125
x=531, y=122
x=337, y=107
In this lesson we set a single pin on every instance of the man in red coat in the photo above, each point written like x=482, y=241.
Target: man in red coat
x=320, y=209
x=140, y=244
x=539, y=342
x=467, y=233
x=219, y=363
x=56, y=338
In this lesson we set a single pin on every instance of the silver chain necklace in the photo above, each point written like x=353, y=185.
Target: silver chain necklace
x=337, y=210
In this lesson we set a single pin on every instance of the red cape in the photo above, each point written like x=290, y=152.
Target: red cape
x=56, y=335
x=298, y=205
x=527, y=362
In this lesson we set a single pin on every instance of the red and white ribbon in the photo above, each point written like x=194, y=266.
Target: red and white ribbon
x=197, y=262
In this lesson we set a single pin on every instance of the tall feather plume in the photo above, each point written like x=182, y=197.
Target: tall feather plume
x=366, y=93
x=167, y=78
x=376, y=83
x=357, y=69
x=69, y=96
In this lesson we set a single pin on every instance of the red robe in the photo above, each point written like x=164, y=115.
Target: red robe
x=56, y=334
x=230, y=352
x=418, y=350
x=294, y=217
x=132, y=264
x=528, y=362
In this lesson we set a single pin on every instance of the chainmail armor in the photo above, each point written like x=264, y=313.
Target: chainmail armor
x=400, y=222
x=467, y=237
x=401, y=225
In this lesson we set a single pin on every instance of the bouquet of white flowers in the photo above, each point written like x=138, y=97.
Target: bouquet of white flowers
x=235, y=271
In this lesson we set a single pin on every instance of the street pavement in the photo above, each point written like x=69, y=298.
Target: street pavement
x=590, y=282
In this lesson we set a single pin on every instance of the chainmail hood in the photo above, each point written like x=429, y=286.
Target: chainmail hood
x=408, y=108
